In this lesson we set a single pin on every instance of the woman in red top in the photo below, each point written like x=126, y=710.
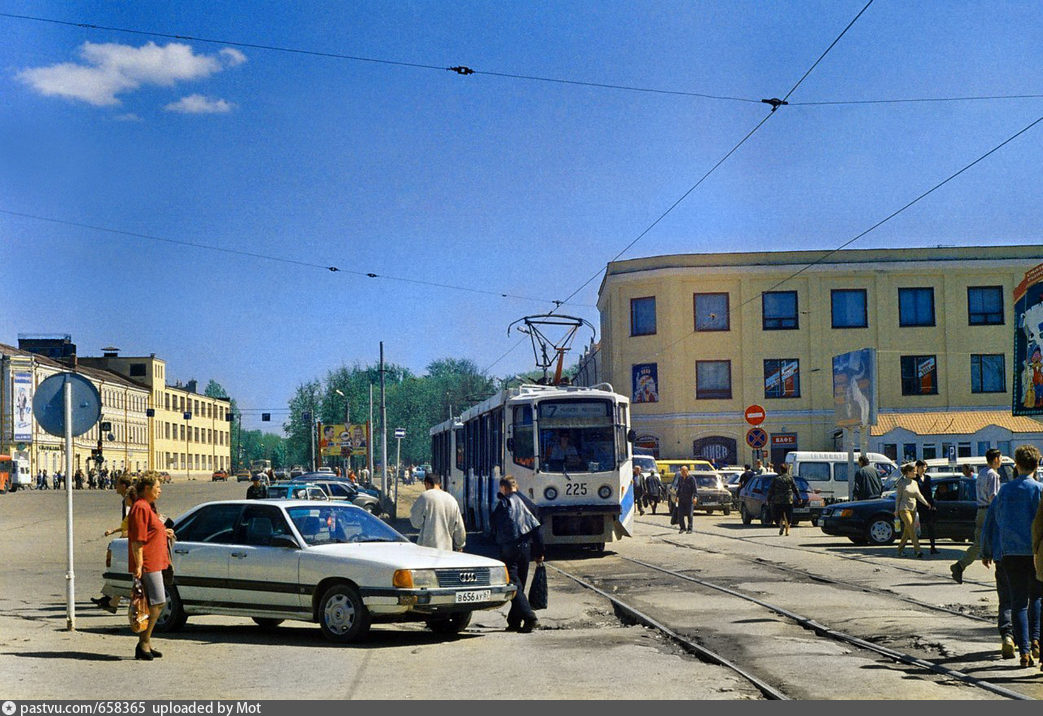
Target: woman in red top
x=148, y=557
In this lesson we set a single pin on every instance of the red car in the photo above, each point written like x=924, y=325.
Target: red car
x=219, y=475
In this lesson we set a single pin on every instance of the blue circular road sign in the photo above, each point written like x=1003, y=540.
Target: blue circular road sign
x=756, y=438
x=49, y=404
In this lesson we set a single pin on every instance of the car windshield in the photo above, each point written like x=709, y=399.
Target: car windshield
x=278, y=491
x=646, y=464
x=334, y=524
x=707, y=481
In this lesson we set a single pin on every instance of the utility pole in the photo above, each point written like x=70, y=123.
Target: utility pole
x=383, y=430
x=369, y=436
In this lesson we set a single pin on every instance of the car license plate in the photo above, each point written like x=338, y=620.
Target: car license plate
x=477, y=595
x=801, y=510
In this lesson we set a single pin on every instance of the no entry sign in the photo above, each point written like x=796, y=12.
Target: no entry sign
x=755, y=415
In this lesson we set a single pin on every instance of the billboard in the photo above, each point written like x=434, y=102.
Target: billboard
x=854, y=388
x=1028, y=344
x=645, y=383
x=22, y=406
x=343, y=440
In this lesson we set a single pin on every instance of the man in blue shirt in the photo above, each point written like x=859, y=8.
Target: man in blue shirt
x=1007, y=537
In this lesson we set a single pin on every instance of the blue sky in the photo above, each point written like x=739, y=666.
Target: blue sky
x=507, y=185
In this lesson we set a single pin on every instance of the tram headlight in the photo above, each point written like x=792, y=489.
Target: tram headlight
x=604, y=492
x=551, y=493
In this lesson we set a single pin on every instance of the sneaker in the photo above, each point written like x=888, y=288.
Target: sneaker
x=528, y=626
x=1007, y=649
x=957, y=573
x=1026, y=660
x=901, y=551
x=1035, y=649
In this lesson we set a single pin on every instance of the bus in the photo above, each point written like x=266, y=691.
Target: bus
x=260, y=466
x=568, y=448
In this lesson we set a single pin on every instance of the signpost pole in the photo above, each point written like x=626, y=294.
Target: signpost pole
x=849, y=438
x=70, y=575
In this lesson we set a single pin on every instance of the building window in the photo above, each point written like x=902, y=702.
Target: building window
x=713, y=379
x=782, y=378
x=779, y=310
x=711, y=311
x=642, y=316
x=985, y=305
x=916, y=307
x=988, y=373
x=137, y=370
x=849, y=308
x=919, y=375
x=929, y=452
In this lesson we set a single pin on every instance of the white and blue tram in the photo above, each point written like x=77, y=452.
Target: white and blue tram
x=569, y=449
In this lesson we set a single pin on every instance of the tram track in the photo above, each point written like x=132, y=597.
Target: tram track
x=823, y=631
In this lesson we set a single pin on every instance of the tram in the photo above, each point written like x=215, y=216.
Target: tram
x=568, y=448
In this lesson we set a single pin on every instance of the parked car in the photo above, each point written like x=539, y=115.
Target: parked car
x=330, y=563
x=669, y=468
x=164, y=477
x=219, y=475
x=296, y=471
x=341, y=490
x=710, y=492
x=732, y=485
x=281, y=475
x=242, y=476
x=827, y=471
x=290, y=491
x=753, y=501
x=872, y=521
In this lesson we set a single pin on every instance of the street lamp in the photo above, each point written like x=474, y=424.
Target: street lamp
x=345, y=461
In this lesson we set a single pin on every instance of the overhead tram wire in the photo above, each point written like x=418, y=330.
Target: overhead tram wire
x=875, y=226
x=467, y=71
x=279, y=259
x=775, y=104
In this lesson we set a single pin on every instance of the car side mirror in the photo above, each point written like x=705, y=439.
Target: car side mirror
x=631, y=435
x=284, y=541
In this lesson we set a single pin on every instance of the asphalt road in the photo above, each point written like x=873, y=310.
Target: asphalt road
x=583, y=652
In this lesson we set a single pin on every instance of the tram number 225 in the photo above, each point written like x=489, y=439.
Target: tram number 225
x=576, y=488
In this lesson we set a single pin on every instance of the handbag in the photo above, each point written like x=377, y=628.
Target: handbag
x=137, y=611
x=538, y=588
x=673, y=514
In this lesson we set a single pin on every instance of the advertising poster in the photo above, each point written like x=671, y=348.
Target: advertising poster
x=645, y=383
x=1028, y=344
x=340, y=440
x=22, y=406
x=854, y=388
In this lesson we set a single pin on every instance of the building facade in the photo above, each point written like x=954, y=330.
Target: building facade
x=695, y=339
x=189, y=432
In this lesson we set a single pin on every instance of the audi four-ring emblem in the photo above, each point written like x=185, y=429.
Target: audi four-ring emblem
x=468, y=577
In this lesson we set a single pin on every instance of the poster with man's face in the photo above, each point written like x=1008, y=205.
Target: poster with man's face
x=645, y=384
x=1028, y=344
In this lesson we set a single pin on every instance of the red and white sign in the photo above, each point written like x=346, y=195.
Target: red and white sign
x=755, y=415
x=783, y=439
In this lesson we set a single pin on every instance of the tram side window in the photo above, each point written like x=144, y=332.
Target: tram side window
x=523, y=452
x=460, y=449
x=497, y=440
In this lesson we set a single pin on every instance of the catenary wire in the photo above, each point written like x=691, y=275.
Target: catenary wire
x=280, y=259
x=462, y=70
x=774, y=106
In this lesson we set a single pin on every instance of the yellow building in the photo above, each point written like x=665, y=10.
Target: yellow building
x=189, y=432
x=695, y=339
x=124, y=404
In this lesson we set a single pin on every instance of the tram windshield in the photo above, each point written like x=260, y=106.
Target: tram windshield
x=576, y=436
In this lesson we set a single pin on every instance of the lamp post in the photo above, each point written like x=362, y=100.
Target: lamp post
x=345, y=460
x=188, y=457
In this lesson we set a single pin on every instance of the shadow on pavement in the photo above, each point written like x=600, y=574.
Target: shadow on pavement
x=75, y=655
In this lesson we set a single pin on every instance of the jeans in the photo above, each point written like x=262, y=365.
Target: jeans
x=516, y=557
x=971, y=555
x=1003, y=618
x=685, y=509
x=1025, y=593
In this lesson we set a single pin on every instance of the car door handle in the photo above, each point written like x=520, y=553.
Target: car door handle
x=180, y=550
x=239, y=555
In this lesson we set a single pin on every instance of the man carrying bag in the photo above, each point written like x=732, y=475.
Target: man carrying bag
x=517, y=532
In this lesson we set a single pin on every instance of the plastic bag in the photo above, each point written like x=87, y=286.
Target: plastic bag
x=137, y=611
x=538, y=588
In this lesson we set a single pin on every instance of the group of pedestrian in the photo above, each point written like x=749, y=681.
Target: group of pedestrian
x=649, y=490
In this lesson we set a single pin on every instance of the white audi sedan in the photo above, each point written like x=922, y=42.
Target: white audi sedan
x=326, y=562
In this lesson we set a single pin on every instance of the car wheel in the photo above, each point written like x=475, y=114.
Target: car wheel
x=747, y=518
x=267, y=623
x=794, y=523
x=765, y=516
x=343, y=617
x=709, y=511
x=453, y=624
x=881, y=530
x=371, y=508
x=727, y=510
x=598, y=547
x=173, y=616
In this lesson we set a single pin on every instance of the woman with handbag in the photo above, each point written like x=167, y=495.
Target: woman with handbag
x=148, y=556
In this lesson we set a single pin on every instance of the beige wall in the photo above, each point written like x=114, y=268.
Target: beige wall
x=679, y=418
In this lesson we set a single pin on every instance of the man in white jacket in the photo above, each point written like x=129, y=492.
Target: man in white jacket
x=437, y=516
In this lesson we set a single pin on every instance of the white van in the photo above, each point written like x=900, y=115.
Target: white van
x=827, y=471
x=20, y=476
x=977, y=463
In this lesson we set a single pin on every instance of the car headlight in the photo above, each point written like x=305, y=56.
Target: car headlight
x=604, y=492
x=551, y=493
x=415, y=579
x=499, y=576
x=847, y=513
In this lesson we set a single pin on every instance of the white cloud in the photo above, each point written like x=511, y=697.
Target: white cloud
x=109, y=69
x=198, y=104
x=128, y=117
